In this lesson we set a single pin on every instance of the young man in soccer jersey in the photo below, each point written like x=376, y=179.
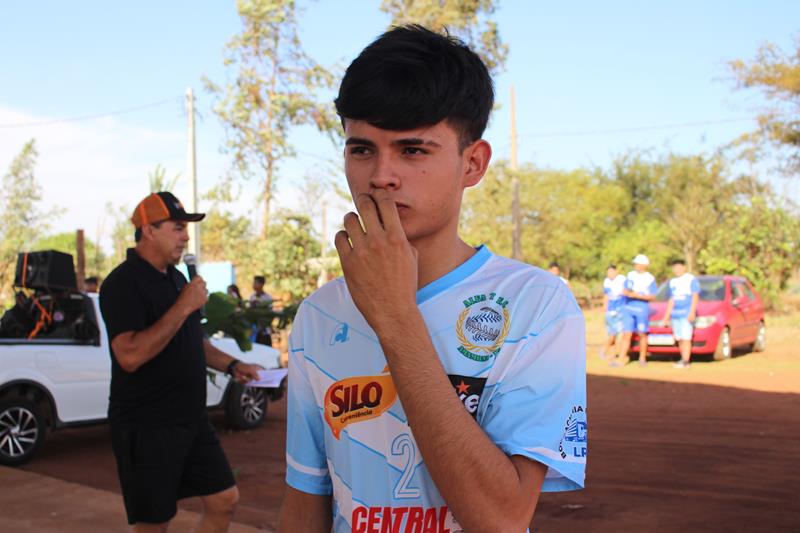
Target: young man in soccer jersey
x=435, y=387
x=684, y=293
x=640, y=290
x=613, y=300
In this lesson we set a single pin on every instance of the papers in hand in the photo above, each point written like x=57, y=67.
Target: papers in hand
x=269, y=379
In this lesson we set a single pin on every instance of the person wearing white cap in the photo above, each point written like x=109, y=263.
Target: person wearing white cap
x=640, y=289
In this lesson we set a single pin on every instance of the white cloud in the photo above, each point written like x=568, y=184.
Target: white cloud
x=82, y=166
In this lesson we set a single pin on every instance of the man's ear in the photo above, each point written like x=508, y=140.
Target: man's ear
x=147, y=232
x=476, y=160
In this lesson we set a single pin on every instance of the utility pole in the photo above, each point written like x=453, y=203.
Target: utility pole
x=191, y=169
x=516, y=241
x=80, y=249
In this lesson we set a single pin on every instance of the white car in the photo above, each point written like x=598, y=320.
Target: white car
x=51, y=383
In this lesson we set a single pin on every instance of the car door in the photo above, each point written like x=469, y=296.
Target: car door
x=753, y=311
x=742, y=309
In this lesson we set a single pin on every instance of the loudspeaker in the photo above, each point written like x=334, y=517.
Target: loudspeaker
x=45, y=270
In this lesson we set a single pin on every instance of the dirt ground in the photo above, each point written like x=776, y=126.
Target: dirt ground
x=714, y=448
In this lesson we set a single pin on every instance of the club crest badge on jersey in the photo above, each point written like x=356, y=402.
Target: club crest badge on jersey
x=573, y=443
x=358, y=399
x=482, y=326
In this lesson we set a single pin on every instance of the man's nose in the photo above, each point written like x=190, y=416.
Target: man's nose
x=384, y=175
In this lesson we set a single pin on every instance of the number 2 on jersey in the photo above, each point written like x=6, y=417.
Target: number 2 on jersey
x=404, y=445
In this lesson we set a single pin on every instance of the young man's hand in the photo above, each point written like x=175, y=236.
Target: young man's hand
x=379, y=264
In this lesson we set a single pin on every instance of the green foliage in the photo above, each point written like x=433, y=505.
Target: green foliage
x=22, y=222
x=777, y=75
x=759, y=241
x=666, y=207
x=286, y=258
x=96, y=261
x=158, y=181
x=275, y=87
x=467, y=19
x=224, y=314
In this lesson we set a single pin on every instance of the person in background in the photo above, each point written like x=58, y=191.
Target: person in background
x=233, y=292
x=91, y=284
x=259, y=298
x=684, y=293
x=613, y=300
x=555, y=270
x=640, y=290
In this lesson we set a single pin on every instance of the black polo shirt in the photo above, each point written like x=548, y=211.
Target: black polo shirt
x=170, y=388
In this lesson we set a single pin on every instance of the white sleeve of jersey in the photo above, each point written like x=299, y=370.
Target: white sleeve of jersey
x=306, y=462
x=539, y=408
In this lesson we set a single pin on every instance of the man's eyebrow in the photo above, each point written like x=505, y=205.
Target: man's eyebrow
x=416, y=141
x=359, y=141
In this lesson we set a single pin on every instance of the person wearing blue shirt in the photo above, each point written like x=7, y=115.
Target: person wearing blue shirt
x=684, y=293
x=640, y=290
x=436, y=386
x=613, y=300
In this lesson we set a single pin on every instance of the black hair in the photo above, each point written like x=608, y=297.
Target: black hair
x=677, y=262
x=91, y=279
x=554, y=264
x=137, y=235
x=259, y=279
x=411, y=77
x=612, y=265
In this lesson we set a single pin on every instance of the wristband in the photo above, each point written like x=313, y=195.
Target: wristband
x=231, y=365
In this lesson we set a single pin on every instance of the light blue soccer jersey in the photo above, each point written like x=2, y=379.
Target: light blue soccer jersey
x=643, y=283
x=511, y=339
x=613, y=288
x=681, y=289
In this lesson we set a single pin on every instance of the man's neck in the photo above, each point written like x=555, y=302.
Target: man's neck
x=435, y=259
x=149, y=255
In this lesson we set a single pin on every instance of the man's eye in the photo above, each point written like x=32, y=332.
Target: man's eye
x=413, y=150
x=359, y=150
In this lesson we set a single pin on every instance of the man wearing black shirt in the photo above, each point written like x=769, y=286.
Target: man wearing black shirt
x=165, y=447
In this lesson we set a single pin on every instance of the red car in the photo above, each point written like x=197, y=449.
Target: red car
x=730, y=315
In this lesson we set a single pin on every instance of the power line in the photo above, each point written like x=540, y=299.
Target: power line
x=579, y=133
x=91, y=117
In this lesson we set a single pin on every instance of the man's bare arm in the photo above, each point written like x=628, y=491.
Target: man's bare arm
x=132, y=349
x=305, y=513
x=219, y=360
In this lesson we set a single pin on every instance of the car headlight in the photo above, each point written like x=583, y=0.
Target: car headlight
x=704, y=321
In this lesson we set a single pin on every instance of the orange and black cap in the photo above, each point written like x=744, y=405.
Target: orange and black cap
x=160, y=206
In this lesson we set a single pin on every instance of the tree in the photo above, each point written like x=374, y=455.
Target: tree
x=96, y=261
x=759, y=241
x=158, y=180
x=286, y=256
x=696, y=194
x=567, y=215
x=777, y=75
x=21, y=219
x=275, y=87
x=466, y=19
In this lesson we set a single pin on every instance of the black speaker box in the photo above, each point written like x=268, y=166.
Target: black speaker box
x=45, y=270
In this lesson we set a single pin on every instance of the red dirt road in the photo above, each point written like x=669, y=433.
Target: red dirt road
x=664, y=457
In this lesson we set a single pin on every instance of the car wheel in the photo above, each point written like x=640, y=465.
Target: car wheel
x=724, y=348
x=246, y=407
x=22, y=430
x=760, y=343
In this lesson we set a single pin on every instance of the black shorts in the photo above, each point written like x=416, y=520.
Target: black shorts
x=159, y=466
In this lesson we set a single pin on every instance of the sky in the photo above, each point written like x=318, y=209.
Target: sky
x=592, y=80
